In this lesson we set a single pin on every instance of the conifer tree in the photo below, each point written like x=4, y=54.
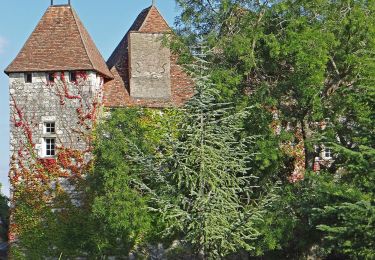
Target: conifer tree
x=307, y=66
x=206, y=195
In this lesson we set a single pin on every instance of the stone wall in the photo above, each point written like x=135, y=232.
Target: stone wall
x=40, y=102
x=150, y=66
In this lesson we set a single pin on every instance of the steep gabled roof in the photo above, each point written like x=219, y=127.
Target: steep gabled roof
x=116, y=92
x=154, y=22
x=59, y=42
x=148, y=21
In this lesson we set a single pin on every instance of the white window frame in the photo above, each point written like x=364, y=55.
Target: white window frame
x=327, y=153
x=49, y=145
x=49, y=125
x=49, y=139
x=316, y=148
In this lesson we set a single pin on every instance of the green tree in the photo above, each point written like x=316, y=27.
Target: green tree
x=303, y=65
x=179, y=174
x=205, y=195
x=119, y=207
x=4, y=217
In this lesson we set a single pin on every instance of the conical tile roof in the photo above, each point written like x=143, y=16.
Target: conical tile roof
x=59, y=42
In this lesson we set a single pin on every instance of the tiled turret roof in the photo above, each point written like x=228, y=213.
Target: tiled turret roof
x=117, y=91
x=59, y=42
x=148, y=21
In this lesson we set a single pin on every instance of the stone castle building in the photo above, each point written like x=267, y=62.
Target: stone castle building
x=60, y=53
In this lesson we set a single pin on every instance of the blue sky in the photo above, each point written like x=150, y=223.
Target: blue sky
x=107, y=22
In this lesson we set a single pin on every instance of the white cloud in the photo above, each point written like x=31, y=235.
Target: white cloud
x=3, y=43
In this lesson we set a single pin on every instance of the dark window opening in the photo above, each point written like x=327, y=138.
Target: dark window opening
x=51, y=77
x=73, y=76
x=28, y=77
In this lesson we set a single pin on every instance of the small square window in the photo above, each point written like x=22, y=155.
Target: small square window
x=327, y=153
x=73, y=76
x=49, y=127
x=50, y=77
x=28, y=78
x=50, y=146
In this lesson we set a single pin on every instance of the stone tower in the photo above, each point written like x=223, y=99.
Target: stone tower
x=56, y=87
x=60, y=54
x=59, y=83
x=58, y=70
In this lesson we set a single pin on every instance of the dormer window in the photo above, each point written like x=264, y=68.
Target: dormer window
x=73, y=76
x=51, y=77
x=28, y=78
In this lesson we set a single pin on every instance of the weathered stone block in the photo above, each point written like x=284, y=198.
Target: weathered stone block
x=150, y=66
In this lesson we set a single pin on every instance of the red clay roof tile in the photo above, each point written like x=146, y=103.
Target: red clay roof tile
x=59, y=42
x=116, y=92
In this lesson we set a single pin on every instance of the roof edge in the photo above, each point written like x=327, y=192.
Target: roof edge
x=112, y=60
x=81, y=36
x=90, y=66
x=75, y=17
x=7, y=71
x=148, y=14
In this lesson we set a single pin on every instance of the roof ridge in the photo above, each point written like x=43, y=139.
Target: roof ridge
x=152, y=14
x=81, y=37
x=112, y=60
x=148, y=14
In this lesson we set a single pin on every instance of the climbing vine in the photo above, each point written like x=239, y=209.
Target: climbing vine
x=39, y=183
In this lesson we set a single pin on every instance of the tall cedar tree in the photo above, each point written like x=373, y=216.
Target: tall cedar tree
x=207, y=196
